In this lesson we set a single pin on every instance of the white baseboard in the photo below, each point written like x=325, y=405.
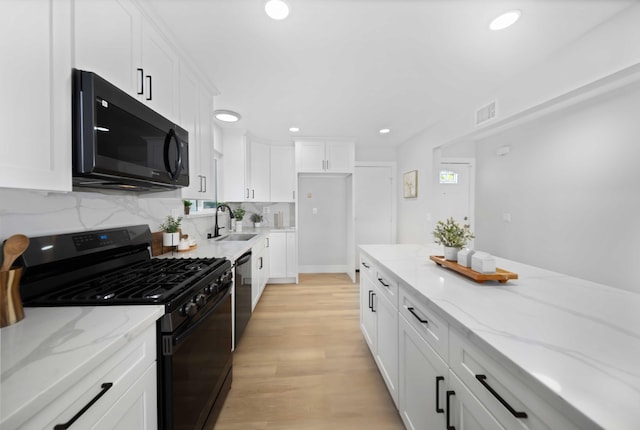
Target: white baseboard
x=323, y=269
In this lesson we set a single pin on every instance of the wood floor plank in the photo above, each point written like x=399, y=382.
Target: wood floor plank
x=303, y=363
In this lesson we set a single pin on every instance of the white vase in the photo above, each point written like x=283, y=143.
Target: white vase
x=257, y=224
x=170, y=239
x=451, y=253
x=238, y=226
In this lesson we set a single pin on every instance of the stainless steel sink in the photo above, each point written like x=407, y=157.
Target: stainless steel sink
x=236, y=237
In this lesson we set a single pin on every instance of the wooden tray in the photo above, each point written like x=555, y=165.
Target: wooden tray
x=500, y=275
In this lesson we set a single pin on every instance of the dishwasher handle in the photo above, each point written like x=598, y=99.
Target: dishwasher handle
x=244, y=258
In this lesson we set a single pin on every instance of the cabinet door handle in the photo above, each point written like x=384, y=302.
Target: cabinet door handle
x=294, y=194
x=372, y=302
x=448, y=414
x=365, y=265
x=438, y=408
x=483, y=381
x=416, y=316
x=370, y=299
x=327, y=164
x=105, y=387
x=382, y=282
x=141, y=86
x=267, y=244
x=150, y=97
x=253, y=194
x=204, y=182
x=247, y=193
x=260, y=263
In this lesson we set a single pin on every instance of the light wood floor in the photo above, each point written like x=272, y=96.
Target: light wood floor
x=303, y=364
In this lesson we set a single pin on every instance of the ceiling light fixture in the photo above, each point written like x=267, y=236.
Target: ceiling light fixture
x=277, y=9
x=505, y=20
x=294, y=129
x=385, y=130
x=227, y=115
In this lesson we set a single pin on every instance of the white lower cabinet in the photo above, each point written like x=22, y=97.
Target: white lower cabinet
x=283, y=257
x=259, y=270
x=438, y=377
x=379, y=322
x=118, y=394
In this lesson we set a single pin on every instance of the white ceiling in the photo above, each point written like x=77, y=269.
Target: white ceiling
x=346, y=68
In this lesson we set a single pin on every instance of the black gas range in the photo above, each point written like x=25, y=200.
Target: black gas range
x=114, y=267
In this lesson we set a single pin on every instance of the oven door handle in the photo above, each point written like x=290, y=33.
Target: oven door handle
x=179, y=336
x=243, y=259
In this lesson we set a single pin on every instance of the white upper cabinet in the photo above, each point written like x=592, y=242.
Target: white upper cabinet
x=108, y=42
x=196, y=104
x=257, y=179
x=160, y=72
x=113, y=40
x=36, y=95
x=283, y=176
x=317, y=156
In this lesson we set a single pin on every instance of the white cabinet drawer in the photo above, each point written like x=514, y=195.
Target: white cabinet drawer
x=508, y=399
x=366, y=266
x=120, y=370
x=388, y=285
x=433, y=328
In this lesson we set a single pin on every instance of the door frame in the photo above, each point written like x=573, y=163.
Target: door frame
x=472, y=181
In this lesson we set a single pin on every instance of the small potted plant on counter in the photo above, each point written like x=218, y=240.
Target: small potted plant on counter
x=187, y=206
x=238, y=214
x=170, y=231
x=452, y=236
x=257, y=220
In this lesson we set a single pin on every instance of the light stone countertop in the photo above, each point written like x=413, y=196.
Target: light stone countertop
x=53, y=348
x=232, y=250
x=573, y=342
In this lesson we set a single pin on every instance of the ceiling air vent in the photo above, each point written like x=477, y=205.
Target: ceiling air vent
x=486, y=113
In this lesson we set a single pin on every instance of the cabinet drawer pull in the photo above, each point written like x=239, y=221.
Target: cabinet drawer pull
x=438, y=408
x=141, y=88
x=370, y=299
x=150, y=88
x=483, y=381
x=417, y=317
x=382, y=282
x=449, y=394
x=372, y=302
x=105, y=387
x=365, y=265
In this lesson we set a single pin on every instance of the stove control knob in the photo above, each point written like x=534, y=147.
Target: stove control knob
x=201, y=300
x=211, y=288
x=189, y=309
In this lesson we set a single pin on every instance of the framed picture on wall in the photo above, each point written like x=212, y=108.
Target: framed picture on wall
x=410, y=182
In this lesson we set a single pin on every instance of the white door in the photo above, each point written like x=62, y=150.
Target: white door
x=455, y=187
x=374, y=205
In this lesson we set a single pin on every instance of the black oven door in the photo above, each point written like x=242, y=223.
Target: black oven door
x=195, y=373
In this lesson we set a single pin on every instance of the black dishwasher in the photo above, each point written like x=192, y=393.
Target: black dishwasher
x=243, y=295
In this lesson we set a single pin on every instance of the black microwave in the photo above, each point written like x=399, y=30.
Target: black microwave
x=120, y=143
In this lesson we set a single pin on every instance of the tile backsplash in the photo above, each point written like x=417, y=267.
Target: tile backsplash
x=36, y=213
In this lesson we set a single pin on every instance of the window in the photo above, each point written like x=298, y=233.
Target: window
x=448, y=177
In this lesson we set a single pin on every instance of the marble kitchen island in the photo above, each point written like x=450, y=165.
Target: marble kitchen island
x=572, y=343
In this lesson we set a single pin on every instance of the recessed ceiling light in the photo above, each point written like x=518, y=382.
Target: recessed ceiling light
x=277, y=9
x=505, y=20
x=227, y=115
x=385, y=130
x=294, y=129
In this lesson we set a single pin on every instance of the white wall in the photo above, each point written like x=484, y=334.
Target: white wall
x=322, y=237
x=605, y=51
x=375, y=153
x=571, y=183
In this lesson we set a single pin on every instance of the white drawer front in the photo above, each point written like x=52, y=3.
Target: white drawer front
x=121, y=370
x=388, y=285
x=366, y=266
x=433, y=329
x=502, y=393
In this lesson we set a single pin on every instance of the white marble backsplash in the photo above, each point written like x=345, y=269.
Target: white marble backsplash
x=36, y=213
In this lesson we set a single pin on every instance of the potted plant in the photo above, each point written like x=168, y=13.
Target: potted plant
x=257, y=220
x=187, y=206
x=170, y=230
x=452, y=236
x=238, y=214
